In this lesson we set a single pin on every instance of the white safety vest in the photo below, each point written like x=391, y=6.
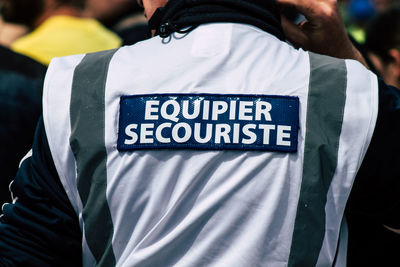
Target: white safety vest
x=221, y=147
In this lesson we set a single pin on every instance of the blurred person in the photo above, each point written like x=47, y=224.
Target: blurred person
x=358, y=13
x=21, y=83
x=215, y=143
x=370, y=242
x=383, y=44
x=382, y=5
x=110, y=12
x=58, y=29
x=124, y=17
x=9, y=32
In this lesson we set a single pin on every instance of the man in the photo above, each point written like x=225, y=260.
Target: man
x=212, y=144
x=58, y=28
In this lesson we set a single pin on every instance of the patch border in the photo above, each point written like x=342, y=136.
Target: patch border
x=217, y=147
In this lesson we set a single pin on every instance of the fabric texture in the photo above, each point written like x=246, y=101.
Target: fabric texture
x=21, y=83
x=40, y=229
x=188, y=208
x=211, y=202
x=64, y=35
x=374, y=203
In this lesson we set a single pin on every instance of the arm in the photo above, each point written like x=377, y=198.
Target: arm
x=40, y=228
x=376, y=189
x=377, y=185
x=323, y=32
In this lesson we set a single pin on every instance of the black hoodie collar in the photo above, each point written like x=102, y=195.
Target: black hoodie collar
x=188, y=14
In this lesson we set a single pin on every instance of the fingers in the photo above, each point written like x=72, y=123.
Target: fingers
x=323, y=32
x=313, y=9
x=294, y=33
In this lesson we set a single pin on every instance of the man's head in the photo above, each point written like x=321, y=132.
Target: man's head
x=28, y=12
x=383, y=44
x=23, y=12
x=110, y=12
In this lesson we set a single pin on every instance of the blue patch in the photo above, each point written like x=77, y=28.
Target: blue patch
x=209, y=122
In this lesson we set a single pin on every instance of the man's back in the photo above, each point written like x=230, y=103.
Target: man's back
x=247, y=195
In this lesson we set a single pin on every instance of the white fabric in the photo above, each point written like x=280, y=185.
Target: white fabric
x=58, y=128
x=358, y=104
x=208, y=208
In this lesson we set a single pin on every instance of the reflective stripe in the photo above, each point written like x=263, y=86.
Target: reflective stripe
x=87, y=113
x=326, y=101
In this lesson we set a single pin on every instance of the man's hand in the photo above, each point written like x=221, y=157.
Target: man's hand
x=323, y=32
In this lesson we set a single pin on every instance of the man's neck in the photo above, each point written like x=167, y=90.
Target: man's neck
x=178, y=15
x=63, y=10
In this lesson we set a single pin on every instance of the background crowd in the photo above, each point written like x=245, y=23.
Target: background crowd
x=32, y=32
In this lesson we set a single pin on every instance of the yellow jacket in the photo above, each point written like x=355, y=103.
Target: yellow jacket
x=65, y=35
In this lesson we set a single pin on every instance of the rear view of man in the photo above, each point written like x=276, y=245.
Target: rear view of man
x=215, y=143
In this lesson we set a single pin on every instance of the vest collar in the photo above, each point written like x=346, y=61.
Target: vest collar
x=188, y=14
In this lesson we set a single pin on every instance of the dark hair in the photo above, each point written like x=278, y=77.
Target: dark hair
x=74, y=3
x=383, y=33
x=23, y=12
x=26, y=12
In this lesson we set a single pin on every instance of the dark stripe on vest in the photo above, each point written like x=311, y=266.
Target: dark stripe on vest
x=87, y=113
x=326, y=100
